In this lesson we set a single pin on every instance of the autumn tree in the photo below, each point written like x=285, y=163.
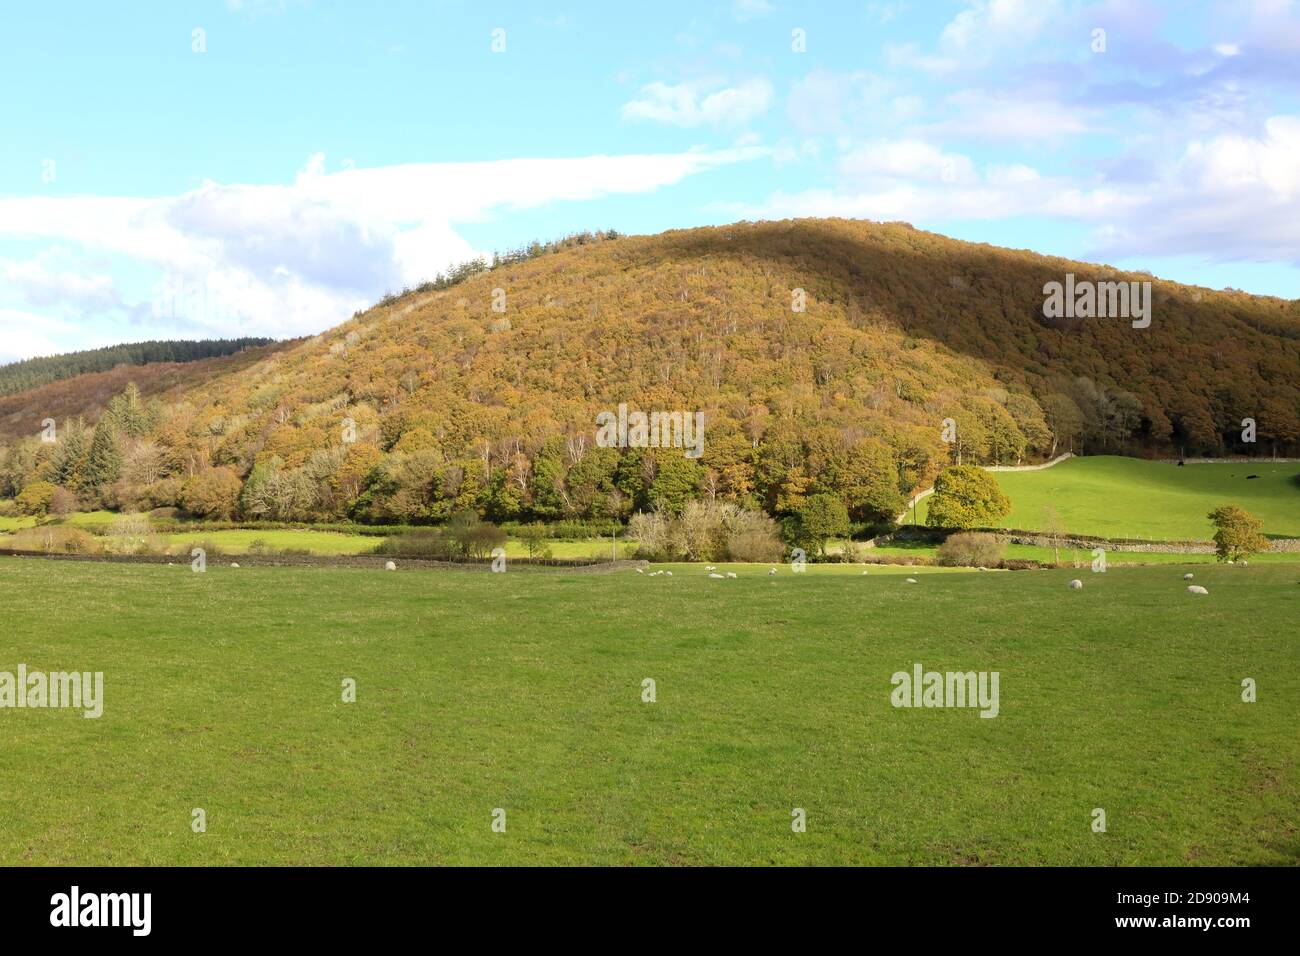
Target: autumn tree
x=212, y=493
x=1237, y=533
x=966, y=497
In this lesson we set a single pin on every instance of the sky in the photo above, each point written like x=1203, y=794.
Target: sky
x=268, y=167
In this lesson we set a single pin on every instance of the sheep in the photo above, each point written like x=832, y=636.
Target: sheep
x=710, y=568
x=638, y=570
x=718, y=576
x=731, y=574
x=1076, y=585
x=1196, y=589
x=233, y=564
x=669, y=573
x=1188, y=577
x=390, y=566
x=911, y=580
x=772, y=571
x=864, y=572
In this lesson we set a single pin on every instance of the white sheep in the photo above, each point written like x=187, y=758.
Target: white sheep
x=710, y=568
x=731, y=574
x=1196, y=589
x=1188, y=577
x=911, y=580
x=669, y=573
x=390, y=566
x=233, y=564
x=1076, y=585
x=638, y=570
x=864, y=572
x=718, y=576
x=772, y=571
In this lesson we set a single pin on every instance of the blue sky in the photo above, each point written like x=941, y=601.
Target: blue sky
x=243, y=167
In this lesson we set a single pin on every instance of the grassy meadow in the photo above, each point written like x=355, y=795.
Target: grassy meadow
x=1128, y=497
x=523, y=691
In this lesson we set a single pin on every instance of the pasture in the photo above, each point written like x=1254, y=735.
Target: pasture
x=478, y=691
x=1128, y=497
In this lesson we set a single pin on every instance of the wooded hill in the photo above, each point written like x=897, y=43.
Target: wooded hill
x=435, y=401
x=34, y=372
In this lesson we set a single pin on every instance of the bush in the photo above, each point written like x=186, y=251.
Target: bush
x=63, y=502
x=55, y=539
x=972, y=549
x=129, y=534
x=35, y=498
x=706, y=531
x=210, y=549
x=433, y=544
x=213, y=493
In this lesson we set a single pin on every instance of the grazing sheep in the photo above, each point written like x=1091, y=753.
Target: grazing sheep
x=773, y=571
x=710, y=568
x=911, y=580
x=638, y=570
x=233, y=564
x=718, y=576
x=1242, y=562
x=669, y=573
x=1188, y=577
x=1196, y=589
x=390, y=566
x=1076, y=585
x=731, y=574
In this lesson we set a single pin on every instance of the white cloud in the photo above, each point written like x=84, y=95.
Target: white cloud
x=692, y=104
x=751, y=9
x=294, y=259
x=24, y=335
x=980, y=115
x=1228, y=197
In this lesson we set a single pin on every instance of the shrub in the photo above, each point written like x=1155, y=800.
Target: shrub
x=971, y=549
x=651, y=531
x=213, y=493
x=433, y=544
x=129, y=534
x=63, y=502
x=210, y=548
x=534, y=538
x=35, y=498
x=706, y=531
x=55, y=539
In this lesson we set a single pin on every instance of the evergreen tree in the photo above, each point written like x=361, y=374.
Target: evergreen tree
x=104, y=463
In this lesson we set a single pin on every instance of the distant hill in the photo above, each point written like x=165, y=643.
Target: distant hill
x=30, y=373
x=483, y=390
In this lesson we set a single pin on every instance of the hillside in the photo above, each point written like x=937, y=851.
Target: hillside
x=34, y=372
x=459, y=405
x=87, y=394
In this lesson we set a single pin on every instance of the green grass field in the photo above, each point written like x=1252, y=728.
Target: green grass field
x=523, y=691
x=1128, y=497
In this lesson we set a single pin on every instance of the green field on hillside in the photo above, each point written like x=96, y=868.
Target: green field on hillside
x=523, y=692
x=1129, y=497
